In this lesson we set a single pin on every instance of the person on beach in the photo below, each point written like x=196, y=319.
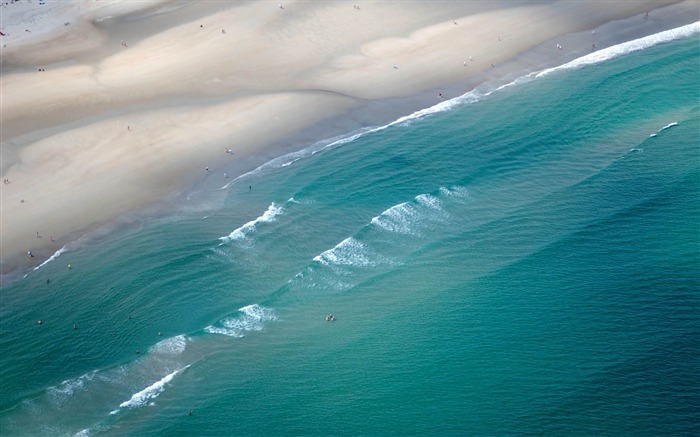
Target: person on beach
x=30, y=254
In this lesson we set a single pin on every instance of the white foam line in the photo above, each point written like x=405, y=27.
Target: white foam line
x=626, y=47
x=670, y=125
x=151, y=392
x=51, y=258
x=476, y=95
x=268, y=216
x=399, y=218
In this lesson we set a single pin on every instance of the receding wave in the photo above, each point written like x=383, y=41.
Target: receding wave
x=268, y=216
x=151, y=392
x=249, y=318
x=626, y=47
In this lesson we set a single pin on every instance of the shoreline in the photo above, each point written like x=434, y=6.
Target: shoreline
x=336, y=113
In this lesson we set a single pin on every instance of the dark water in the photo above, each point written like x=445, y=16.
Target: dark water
x=523, y=263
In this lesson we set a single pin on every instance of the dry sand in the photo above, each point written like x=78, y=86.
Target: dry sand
x=106, y=128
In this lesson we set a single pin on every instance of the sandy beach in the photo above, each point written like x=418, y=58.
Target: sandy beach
x=110, y=107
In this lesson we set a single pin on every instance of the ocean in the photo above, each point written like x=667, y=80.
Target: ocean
x=521, y=260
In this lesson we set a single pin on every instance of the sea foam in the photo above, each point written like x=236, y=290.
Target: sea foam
x=626, y=47
x=476, y=95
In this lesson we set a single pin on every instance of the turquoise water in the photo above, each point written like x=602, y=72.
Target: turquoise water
x=521, y=262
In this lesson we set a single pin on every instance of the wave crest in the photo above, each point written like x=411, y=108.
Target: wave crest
x=140, y=399
x=268, y=216
x=170, y=346
x=626, y=47
x=249, y=318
